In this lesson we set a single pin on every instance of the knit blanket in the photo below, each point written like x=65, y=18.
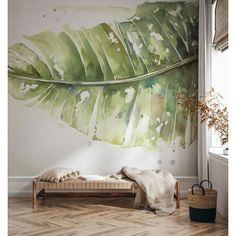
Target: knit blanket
x=158, y=185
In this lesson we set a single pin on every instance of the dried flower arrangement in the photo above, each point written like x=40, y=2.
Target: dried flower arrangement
x=212, y=111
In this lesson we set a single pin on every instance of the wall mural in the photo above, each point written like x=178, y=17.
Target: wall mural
x=115, y=82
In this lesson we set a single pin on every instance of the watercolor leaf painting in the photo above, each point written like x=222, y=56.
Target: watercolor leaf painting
x=115, y=82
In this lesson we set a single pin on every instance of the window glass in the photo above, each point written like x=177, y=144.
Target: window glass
x=219, y=81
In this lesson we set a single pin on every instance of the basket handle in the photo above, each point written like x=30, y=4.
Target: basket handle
x=205, y=180
x=203, y=190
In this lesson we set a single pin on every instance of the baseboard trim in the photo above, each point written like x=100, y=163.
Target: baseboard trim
x=20, y=186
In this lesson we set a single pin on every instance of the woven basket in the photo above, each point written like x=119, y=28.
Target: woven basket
x=202, y=202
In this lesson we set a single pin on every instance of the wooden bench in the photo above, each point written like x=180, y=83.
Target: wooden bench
x=39, y=188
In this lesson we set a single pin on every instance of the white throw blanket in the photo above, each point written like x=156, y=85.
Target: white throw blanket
x=159, y=186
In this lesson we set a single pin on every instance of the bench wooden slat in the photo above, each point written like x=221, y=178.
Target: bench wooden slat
x=90, y=185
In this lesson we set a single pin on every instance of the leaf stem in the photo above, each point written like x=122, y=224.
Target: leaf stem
x=120, y=81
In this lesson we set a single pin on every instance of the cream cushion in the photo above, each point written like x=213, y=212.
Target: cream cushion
x=59, y=174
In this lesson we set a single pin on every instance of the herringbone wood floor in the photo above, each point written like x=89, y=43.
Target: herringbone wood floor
x=102, y=216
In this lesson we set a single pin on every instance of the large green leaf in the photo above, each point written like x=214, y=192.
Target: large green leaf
x=116, y=83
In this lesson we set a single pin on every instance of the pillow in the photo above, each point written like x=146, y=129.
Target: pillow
x=59, y=174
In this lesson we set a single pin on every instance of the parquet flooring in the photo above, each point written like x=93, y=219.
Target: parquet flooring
x=101, y=216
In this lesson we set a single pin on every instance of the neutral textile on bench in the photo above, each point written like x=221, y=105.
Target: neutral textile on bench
x=159, y=186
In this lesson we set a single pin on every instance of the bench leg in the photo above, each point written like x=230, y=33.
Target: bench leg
x=138, y=198
x=177, y=197
x=34, y=195
x=43, y=193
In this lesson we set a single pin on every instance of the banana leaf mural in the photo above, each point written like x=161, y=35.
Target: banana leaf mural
x=115, y=82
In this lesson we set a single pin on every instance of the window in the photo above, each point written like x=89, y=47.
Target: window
x=219, y=79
